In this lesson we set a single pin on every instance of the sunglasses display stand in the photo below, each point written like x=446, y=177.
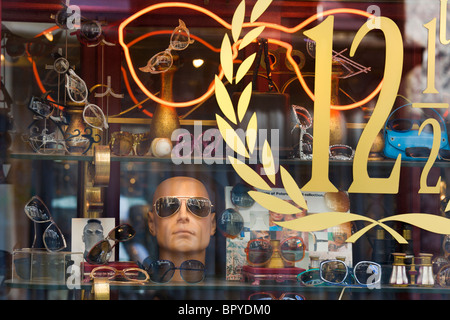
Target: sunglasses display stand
x=39, y=266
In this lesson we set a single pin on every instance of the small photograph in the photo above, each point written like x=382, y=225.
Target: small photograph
x=86, y=232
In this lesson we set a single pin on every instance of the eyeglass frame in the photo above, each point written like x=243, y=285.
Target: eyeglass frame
x=186, y=198
x=52, y=222
x=120, y=272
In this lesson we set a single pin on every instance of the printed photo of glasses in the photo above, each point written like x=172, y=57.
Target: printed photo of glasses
x=136, y=275
x=167, y=206
x=336, y=272
x=101, y=252
x=37, y=211
x=162, y=271
x=162, y=61
x=123, y=142
x=260, y=251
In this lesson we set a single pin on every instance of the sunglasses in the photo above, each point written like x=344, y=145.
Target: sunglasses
x=336, y=272
x=302, y=116
x=101, y=252
x=230, y=223
x=38, y=212
x=260, y=251
x=162, y=61
x=424, y=153
x=168, y=206
x=162, y=271
x=270, y=296
x=122, y=143
x=129, y=274
x=404, y=125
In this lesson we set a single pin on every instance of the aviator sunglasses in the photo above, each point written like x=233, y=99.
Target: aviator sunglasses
x=167, y=206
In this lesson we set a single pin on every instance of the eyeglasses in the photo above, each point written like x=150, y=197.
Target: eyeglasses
x=341, y=152
x=162, y=271
x=45, y=143
x=43, y=107
x=260, y=251
x=38, y=212
x=302, y=116
x=336, y=272
x=230, y=223
x=94, y=116
x=270, y=296
x=122, y=143
x=129, y=274
x=168, y=206
x=162, y=61
x=404, y=125
x=102, y=250
x=424, y=153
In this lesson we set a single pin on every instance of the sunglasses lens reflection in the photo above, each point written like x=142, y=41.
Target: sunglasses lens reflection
x=259, y=252
x=143, y=143
x=99, y=253
x=231, y=223
x=199, y=206
x=121, y=143
x=240, y=196
x=293, y=249
x=53, y=238
x=192, y=271
x=122, y=232
x=161, y=271
x=333, y=271
x=37, y=211
x=167, y=206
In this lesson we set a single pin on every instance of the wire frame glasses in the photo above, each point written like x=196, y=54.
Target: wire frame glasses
x=93, y=115
x=101, y=252
x=162, y=61
x=162, y=271
x=37, y=211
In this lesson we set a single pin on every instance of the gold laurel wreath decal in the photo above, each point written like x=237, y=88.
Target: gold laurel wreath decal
x=309, y=223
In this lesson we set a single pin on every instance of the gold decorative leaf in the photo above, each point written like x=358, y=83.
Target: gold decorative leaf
x=429, y=222
x=238, y=21
x=244, y=67
x=224, y=100
x=244, y=101
x=274, y=203
x=226, y=58
x=230, y=136
x=250, y=36
x=259, y=8
x=268, y=162
x=361, y=232
x=251, y=133
x=321, y=221
x=292, y=188
x=248, y=174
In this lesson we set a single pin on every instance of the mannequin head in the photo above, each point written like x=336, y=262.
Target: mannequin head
x=183, y=235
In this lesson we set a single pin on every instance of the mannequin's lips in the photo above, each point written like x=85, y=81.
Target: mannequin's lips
x=183, y=231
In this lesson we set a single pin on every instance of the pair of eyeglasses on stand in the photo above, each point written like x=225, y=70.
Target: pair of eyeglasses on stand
x=37, y=211
x=163, y=61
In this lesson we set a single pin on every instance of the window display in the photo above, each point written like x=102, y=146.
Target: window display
x=274, y=150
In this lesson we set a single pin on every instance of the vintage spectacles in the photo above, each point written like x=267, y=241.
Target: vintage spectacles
x=93, y=115
x=102, y=250
x=162, y=271
x=129, y=274
x=270, y=296
x=336, y=272
x=38, y=212
x=162, y=61
x=123, y=142
x=260, y=251
x=168, y=206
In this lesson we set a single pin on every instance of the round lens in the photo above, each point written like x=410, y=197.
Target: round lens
x=103, y=272
x=334, y=271
x=37, y=211
x=122, y=232
x=121, y=143
x=201, y=207
x=292, y=249
x=367, y=272
x=99, y=253
x=192, y=271
x=53, y=238
x=240, y=196
x=259, y=251
x=161, y=62
x=230, y=223
x=161, y=271
x=167, y=206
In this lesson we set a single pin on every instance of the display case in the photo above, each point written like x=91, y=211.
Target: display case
x=306, y=140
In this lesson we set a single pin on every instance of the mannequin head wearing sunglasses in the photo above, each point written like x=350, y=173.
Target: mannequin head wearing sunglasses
x=182, y=220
